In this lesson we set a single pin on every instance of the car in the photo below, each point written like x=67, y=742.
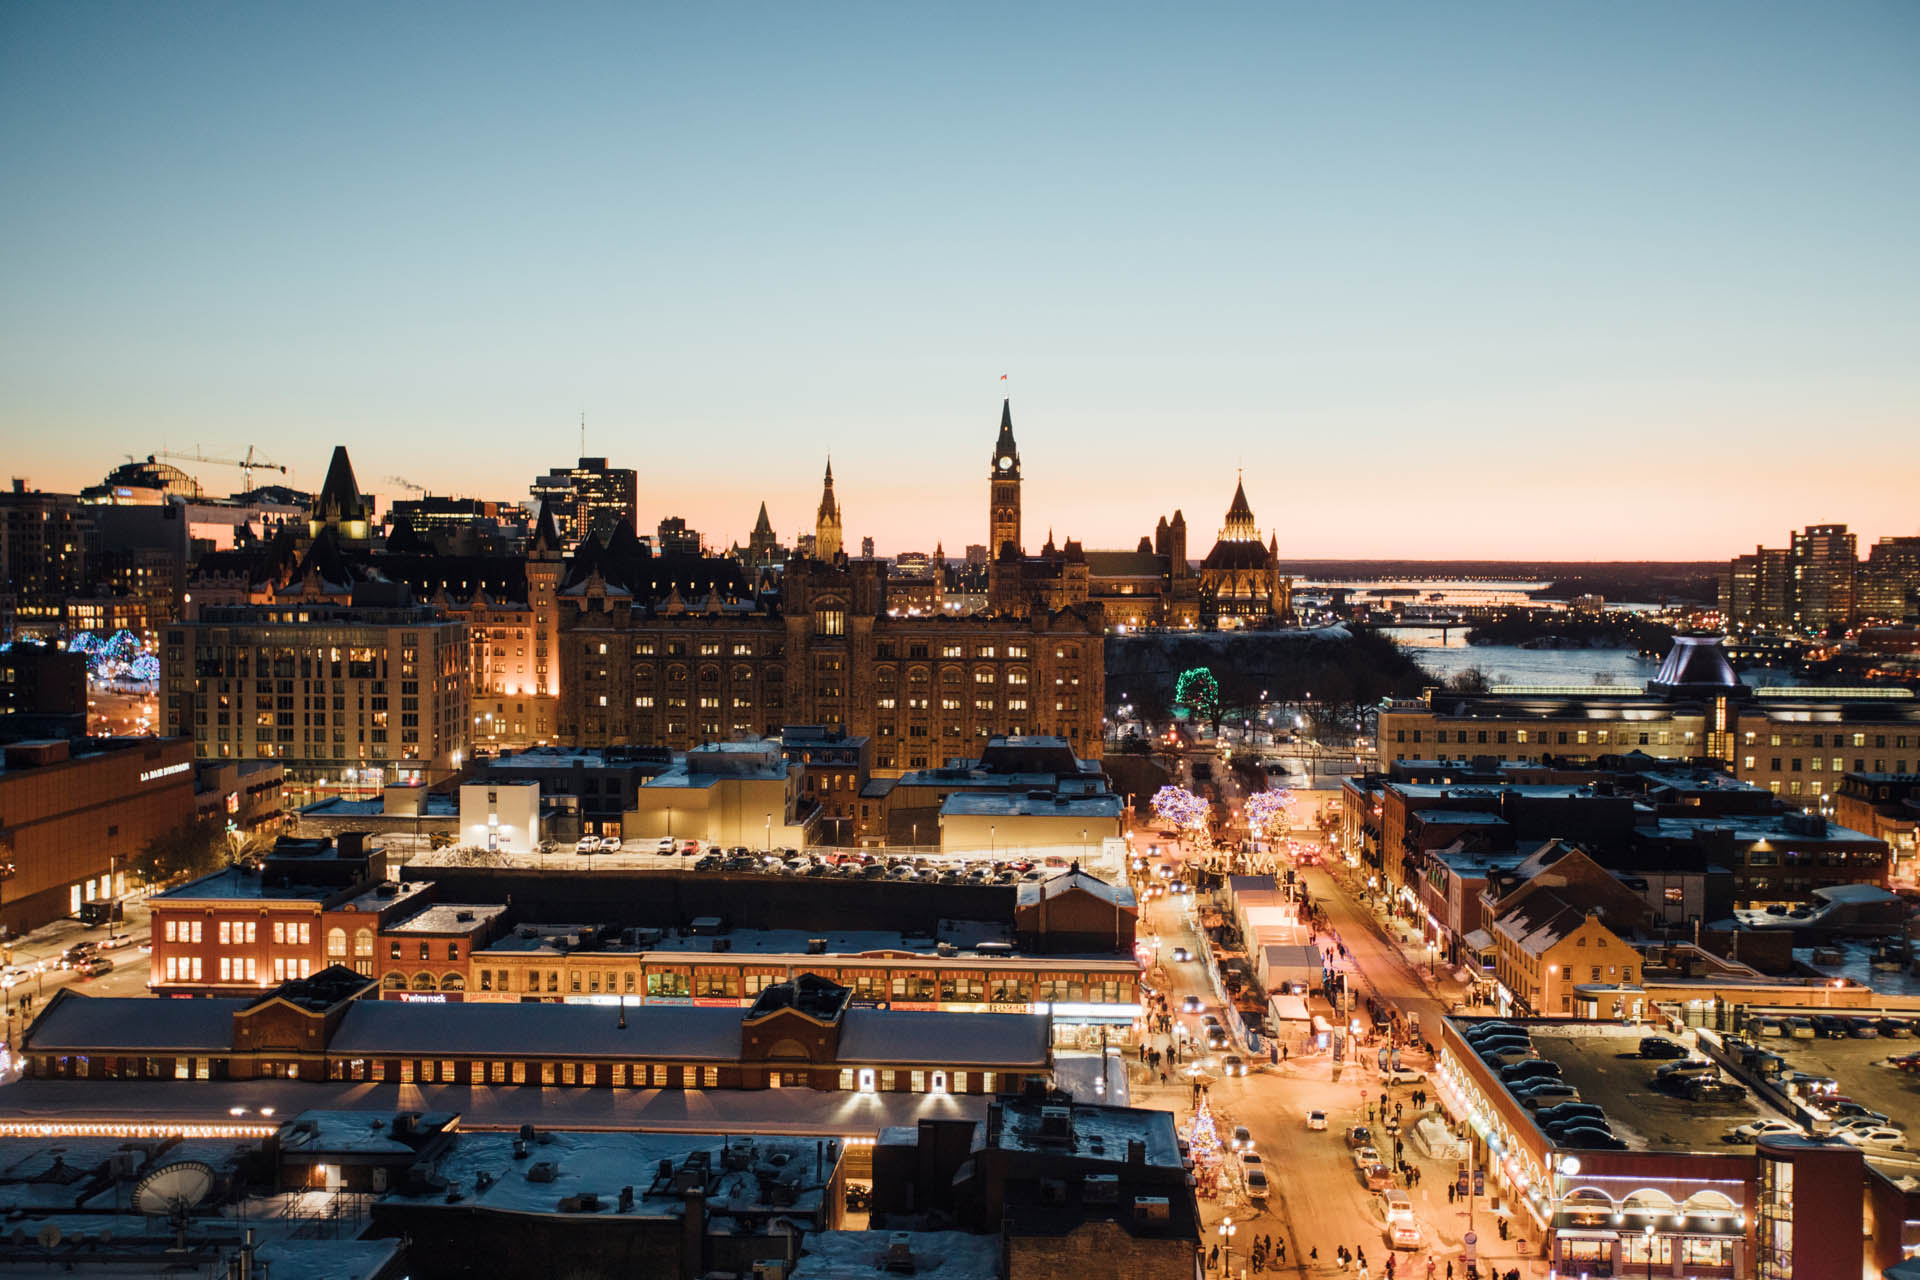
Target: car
x=1403, y=1233
x=1591, y=1140
x=1862, y=1028
x=1217, y=1038
x=1480, y=1031
x=1851, y=1110
x=1401, y=1075
x=1316, y=1120
x=708, y=863
x=1807, y=1082
x=663, y=845
x=1548, y=1094
x=1191, y=1004
x=1250, y=1161
x=1830, y=1026
x=1769, y=1027
x=13, y=975
x=94, y=967
x=1661, y=1047
x=1359, y=1136
x=1569, y=1111
x=1684, y=1069
x=1179, y=887
x=1378, y=1177
x=587, y=844
x=1531, y=1069
x=1800, y=1028
x=610, y=844
x=1256, y=1184
x=1896, y=1028
x=1763, y=1129
x=73, y=955
x=1364, y=1156
x=692, y=847
x=1242, y=1138
x=1507, y=1055
x=1702, y=1090
x=1879, y=1135
x=1182, y=954
x=1233, y=1065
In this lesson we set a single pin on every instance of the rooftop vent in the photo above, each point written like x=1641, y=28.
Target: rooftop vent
x=1056, y=1124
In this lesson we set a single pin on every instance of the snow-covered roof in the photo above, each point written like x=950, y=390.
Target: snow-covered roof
x=997, y=1040
x=375, y=1028
x=1031, y=892
x=856, y=1255
x=135, y=1024
x=1021, y=804
x=450, y=918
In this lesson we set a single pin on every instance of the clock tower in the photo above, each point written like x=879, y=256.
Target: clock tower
x=1003, y=524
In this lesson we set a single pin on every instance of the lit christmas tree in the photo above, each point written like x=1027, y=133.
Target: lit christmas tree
x=1203, y=1141
x=1267, y=812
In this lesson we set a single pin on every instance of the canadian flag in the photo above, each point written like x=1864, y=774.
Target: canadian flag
x=1003, y=377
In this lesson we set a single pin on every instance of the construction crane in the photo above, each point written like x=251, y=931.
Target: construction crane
x=408, y=485
x=254, y=461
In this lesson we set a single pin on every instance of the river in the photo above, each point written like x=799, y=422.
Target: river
x=1510, y=664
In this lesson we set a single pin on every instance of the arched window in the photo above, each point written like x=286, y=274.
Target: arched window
x=363, y=942
x=394, y=982
x=336, y=944
x=423, y=982
x=453, y=982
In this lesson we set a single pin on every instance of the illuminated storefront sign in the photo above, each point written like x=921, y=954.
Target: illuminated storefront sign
x=165, y=771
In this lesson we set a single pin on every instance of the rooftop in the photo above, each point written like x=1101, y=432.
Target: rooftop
x=1778, y=827
x=965, y=937
x=236, y=884
x=1108, y=1129
x=435, y=806
x=1020, y=804
x=1602, y=1061
x=449, y=918
x=136, y=1024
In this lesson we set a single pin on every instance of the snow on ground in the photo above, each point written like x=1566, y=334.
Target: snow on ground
x=856, y=1255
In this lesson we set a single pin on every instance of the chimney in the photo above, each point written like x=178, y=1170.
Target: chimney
x=994, y=1120
x=1136, y=1151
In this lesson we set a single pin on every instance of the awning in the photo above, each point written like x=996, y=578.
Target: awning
x=1478, y=941
x=1289, y=1008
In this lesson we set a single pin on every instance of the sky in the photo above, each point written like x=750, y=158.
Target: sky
x=1602, y=281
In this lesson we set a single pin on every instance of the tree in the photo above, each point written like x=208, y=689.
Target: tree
x=193, y=848
x=1199, y=693
x=1468, y=680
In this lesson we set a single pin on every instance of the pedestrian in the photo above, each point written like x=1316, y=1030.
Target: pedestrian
x=1283, y=1053
x=1283, y=1251
x=1213, y=1259
x=1313, y=1256
x=1449, y=1269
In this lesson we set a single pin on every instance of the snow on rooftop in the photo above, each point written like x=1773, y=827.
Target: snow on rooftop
x=856, y=1255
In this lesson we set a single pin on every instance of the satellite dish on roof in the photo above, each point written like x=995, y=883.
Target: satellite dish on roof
x=49, y=1236
x=174, y=1188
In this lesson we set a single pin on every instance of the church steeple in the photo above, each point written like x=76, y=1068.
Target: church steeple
x=826, y=524
x=1003, y=510
x=1239, y=526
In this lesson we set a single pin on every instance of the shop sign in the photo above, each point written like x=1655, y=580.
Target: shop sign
x=428, y=997
x=164, y=771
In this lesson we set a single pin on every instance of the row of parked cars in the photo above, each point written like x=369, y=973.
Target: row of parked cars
x=867, y=866
x=1537, y=1084
x=1833, y=1026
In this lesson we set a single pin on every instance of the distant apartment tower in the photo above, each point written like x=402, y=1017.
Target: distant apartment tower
x=324, y=689
x=49, y=550
x=1807, y=586
x=589, y=498
x=675, y=539
x=976, y=555
x=1889, y=583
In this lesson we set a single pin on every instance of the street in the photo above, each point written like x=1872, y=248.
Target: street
x=1317, y=1202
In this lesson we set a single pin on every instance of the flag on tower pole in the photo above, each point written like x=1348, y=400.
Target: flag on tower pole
x=1003, y=377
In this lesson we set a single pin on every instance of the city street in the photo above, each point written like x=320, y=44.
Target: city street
x=1317, y=1199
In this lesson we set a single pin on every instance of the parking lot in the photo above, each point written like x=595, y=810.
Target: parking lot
x=1859, y=1070
x=1610, y=1073
x=644, y=855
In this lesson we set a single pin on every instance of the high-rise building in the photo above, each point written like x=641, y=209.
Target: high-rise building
x=676, y=539
x=1889, y=583
x=1807, y=586
x=588, y=498
x=324, y=689
x=49, y=550
x=866, y=548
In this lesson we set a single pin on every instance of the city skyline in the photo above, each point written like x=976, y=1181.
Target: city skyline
x=1529, y=272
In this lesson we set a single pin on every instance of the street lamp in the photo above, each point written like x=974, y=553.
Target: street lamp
x=1226, y=1229
x=1649, y=1239
x=766, y=843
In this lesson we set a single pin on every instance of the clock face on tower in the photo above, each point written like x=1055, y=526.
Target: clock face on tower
x=1006, y=464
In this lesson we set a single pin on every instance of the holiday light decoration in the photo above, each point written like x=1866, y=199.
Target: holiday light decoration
x=117, y=657
x=1267, y=812
x=1203, y=1143
x=1199, y=693
x=1180, y=808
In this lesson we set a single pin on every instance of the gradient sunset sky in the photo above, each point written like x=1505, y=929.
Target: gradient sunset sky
x=1490, y=280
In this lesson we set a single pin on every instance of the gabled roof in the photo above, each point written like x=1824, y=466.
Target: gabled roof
x=545, y=536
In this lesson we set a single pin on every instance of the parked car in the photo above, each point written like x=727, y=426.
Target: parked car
x=1896, y=1028
x=1256, y=1184
x=1592, y=1140
x=691, y=847
x=663, y=845
x=1770, y=1027
x=1359, y=1136
x=1863, y=1028
x=1378, y=1177
x=1661, y=1047
x=1879, y=1135
x=1800, y=1028
x=1242, y=1138
x=1702, y=1090
x=1830, y=1026
x=1532, y=1068
x=610, y=844
x=1548, y=1094
x=587, y=844
x=1851, y=1110
x=1763, y=1129
x=1569, y=1111
x=1401, y=1075
x=1364, y=1156
x=1316, y=1120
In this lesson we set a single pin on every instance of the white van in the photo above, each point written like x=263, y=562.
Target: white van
x=1397, y=1205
